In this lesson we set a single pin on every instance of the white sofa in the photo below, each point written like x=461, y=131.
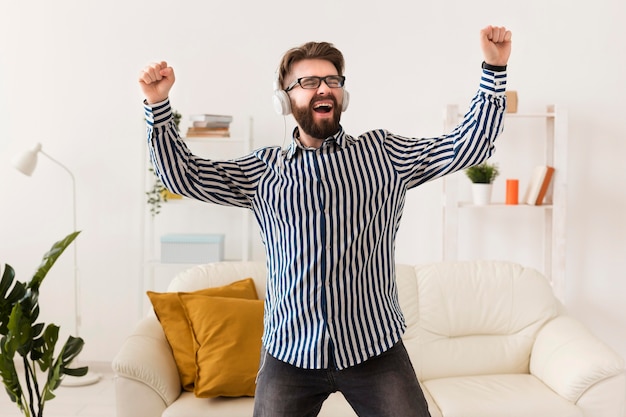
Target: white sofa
x=486, y=339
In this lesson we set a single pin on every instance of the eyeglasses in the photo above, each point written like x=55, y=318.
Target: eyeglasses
x=333, y=81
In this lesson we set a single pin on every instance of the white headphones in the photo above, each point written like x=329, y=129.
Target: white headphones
x=282, y=103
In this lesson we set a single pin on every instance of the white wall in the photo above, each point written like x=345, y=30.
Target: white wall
x=68, y=74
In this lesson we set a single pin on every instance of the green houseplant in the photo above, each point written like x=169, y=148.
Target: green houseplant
x=484, y=173
x=482, y=177
x=34, y=342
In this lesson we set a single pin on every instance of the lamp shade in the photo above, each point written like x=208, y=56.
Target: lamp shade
x=27, y=161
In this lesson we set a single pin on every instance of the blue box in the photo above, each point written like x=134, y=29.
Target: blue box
x=192, y=248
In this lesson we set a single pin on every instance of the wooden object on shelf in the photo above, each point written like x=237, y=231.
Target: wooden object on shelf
x=209, y=125
x=511, y=101
x=538, y=185
x=208, y=132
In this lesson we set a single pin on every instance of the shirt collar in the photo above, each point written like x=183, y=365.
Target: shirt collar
x=339, y=138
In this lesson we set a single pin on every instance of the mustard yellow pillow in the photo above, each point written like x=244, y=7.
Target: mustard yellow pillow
x=227, y=332
x=171, y=315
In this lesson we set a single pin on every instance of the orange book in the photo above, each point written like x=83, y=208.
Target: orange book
x=539, y=184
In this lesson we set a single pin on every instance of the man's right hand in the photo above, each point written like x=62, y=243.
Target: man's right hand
x=156, y=80
x=495, y=42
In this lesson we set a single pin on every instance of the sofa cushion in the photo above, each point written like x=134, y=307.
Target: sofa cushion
x=219, y=273
x=227, y=334
x=189, y=406
x=474, y=318
x=170, y=312
x=520, y=395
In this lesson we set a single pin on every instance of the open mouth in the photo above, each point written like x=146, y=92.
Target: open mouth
x=323, y=107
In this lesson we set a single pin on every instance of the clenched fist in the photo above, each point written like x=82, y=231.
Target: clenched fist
x=156, y=80
x=495, y=42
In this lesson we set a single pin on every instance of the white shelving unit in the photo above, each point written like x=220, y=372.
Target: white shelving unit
x=546, y=134
x=190, y=216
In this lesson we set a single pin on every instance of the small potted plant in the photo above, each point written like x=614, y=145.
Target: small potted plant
x=482, y=177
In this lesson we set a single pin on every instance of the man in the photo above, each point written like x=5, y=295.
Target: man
x=329, y=208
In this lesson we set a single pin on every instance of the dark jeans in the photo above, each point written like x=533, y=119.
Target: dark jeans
x=383, y=386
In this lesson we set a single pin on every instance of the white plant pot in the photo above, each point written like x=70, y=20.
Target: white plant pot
x=481, y=194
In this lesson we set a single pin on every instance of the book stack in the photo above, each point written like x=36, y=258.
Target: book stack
x=538, y=186
x=209, y=126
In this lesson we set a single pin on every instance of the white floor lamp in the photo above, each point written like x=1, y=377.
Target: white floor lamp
x=26, y=164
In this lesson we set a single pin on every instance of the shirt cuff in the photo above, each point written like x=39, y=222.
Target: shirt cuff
x=493, y=82
x=157, y=113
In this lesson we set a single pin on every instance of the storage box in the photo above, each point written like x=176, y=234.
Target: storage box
x=192, y=248
x=511, y=101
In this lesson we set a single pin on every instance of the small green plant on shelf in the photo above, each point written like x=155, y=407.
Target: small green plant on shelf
x=176, y=118
x=484, y=173
x=158, y=194
x=34, y=342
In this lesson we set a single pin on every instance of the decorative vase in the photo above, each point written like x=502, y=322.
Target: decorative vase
x=481, y=193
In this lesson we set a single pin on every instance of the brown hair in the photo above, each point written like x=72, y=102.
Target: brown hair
x=310, y=50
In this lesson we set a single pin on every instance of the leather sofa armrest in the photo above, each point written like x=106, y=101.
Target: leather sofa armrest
x=570, y=360
x=146, y=359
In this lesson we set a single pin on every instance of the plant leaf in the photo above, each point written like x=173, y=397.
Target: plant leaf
x=49, y=395
x=18, y=338
x=49, y=338
x=8, y=373
x=70, y=350
x=483, y=173
x=36, y=350
x=73, y=346
x=9, y=299
x=8, y=275
x=50, y=258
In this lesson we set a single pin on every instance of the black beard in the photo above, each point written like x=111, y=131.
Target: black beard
x=322, y=129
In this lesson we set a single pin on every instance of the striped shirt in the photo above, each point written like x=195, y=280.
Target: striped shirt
x=328, y=219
